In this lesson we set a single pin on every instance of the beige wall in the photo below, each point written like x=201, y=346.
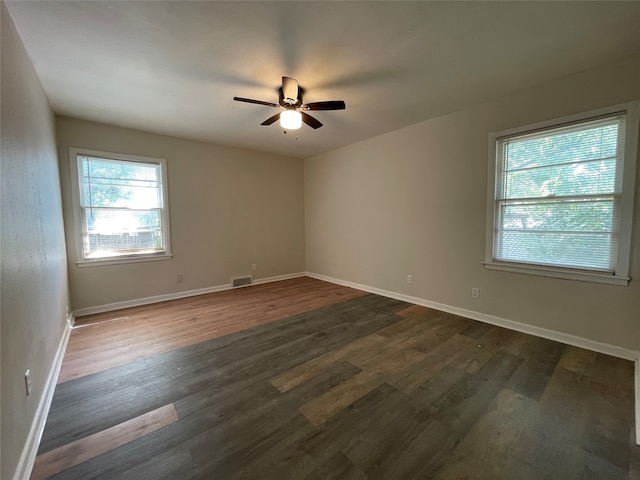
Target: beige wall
x=414, y=202
x=229, y=208
x=34, y=265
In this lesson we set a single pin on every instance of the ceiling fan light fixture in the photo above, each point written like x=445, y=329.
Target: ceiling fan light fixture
x=293, y=111
x=290, y=119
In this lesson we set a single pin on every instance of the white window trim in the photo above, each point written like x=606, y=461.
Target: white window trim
x=620, y=277
x=77, y=211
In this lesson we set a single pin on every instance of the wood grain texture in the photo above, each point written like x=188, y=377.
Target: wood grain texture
x=71, y=454
x=157, y=328
x=345, y=386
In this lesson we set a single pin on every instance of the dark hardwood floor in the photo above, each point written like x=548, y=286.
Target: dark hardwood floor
x=302, y=379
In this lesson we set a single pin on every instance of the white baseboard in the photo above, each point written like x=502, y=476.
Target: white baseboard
x=30, y=449
x=176, y=295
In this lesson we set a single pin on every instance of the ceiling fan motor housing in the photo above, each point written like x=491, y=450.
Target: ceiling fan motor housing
x=289, y=102
x=290, y=90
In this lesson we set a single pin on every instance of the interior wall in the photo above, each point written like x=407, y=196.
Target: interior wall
x=34, y=264
x=414, y=202
x=229, y=208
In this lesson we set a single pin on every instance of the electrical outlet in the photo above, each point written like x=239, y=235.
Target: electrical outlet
x=475, y=292
x=27, y=381
x=409, y=279
x=179, y=278
x=254, y=267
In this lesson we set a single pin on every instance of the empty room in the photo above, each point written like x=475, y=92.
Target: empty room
x=320, y=240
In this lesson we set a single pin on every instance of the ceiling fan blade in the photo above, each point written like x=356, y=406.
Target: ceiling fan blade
x=257, y=102
x=271, y=120
x=290, y=88
x=309, y=120
x=330, y=105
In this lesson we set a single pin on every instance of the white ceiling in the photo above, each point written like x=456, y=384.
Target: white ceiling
x=174, y=67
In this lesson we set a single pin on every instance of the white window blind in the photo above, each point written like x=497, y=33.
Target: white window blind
x=122, y=207
x=558, y=192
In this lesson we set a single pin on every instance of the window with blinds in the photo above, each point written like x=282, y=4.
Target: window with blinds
x=122, y=210
x=558, y=197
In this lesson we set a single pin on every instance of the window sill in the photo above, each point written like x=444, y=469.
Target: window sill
x=123, y=260
x=581, y=276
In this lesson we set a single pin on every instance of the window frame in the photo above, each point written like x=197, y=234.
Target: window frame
x=78, y=223
x=621, y=271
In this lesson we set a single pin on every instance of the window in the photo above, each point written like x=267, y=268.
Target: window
x=561, y=196
x=120, y=207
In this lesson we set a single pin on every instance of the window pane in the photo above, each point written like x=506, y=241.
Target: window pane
x=112, y=232
x=587, y=178
x=563, y=145
x=591, y=251
x=585, y=215
x=112, y=183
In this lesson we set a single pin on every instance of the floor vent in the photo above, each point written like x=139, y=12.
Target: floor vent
x=241, y=281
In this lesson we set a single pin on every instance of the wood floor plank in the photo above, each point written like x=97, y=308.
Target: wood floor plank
x=446, y=327
x=536, y=370
x=314, y=367
x=316, y=448
x=578, y=360
x=607, y=419
x=337, y=467
x=267, y=429
x=325, y=406
x=383, y=440
x=476, y=330
x=497, y=339
x=486, y=450
x=160, y=445
x=431, y=445
x=65, y=457
x=413, y=317
x=412, y=310
x=457, y=350
x=170, y=465
x=610, y=371
x=277, y=458
x=220, y=458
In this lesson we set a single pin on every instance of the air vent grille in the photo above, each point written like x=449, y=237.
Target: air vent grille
x=241, y=281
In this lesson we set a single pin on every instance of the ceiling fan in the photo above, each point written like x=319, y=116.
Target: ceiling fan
x=293, y=110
